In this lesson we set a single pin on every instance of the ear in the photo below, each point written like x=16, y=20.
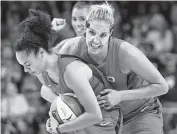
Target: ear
x=111, y=31
x=41, y=52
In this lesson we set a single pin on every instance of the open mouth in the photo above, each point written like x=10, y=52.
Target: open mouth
x=93, y=46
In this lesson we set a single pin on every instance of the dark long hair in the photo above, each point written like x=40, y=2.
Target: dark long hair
x=37, y=33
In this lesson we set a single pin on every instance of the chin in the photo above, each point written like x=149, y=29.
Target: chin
x=94, y=51
x=80, y=34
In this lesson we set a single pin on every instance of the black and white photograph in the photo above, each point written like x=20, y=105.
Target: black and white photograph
x=88, y=67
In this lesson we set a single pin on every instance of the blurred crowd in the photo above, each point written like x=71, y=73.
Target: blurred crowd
x=150, y=26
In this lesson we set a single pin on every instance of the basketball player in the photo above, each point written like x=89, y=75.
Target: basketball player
x=63, y=75
x=79, y=14
x=136, y=81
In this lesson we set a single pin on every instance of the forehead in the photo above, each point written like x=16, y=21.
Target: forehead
x=99, y=26
x=22, y=57
x=79, y=12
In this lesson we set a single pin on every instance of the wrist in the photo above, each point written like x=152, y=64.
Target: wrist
x=122, y=95
x=58, y=129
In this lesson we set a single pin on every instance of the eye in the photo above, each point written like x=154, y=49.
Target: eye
x=28, y=64
x=82, y=18
x=103, y=35
x=74, y=19
x=92, y=33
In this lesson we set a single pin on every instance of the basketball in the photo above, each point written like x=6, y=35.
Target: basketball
x=65, y=108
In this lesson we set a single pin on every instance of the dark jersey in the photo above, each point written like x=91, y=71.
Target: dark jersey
x=119, y=81
x=110, y=117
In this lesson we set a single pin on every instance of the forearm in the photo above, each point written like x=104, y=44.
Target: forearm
x=47, y=94
x=83, y=121
x=152, y=90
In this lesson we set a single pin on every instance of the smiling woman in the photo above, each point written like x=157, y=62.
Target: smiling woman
x=79, y=15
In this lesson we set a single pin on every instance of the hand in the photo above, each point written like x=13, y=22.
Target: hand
x=58, y=24
x=48, y=126
x=109, y=98
x=51, y=126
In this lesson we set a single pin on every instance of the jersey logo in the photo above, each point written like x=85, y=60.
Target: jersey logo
x=111, y=79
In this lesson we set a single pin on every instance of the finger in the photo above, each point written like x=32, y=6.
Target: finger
x=107, y=107
x=105, y=91
x=48, y=123
x=103, y=105
x=50, y=114
x=101, y=102
x=98, y=96
x=53, y=21
x=60, y=22
x=102, y=98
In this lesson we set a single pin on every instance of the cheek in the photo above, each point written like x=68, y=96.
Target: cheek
x=105, y=40
x=83, y=22
x=88, y=37
x=37, y=65
x=73, y=22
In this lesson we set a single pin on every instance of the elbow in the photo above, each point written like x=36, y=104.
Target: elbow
x=98, y=117
x=164, y=87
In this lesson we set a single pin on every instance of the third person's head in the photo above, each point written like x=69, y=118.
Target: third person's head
x=79, y=15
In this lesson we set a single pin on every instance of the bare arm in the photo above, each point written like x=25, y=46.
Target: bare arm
x=46, y=93
x=134, y=60
x=77, y=78
x=68, y=46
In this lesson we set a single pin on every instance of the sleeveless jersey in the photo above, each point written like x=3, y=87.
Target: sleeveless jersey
x=109, y=116
x=97, y=82
x=118, y=80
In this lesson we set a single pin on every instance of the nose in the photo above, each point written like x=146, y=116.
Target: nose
x=77, y=23
x=26, y=69
x=96, y=39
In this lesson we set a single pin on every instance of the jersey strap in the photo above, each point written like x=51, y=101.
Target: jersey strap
x=96, y=72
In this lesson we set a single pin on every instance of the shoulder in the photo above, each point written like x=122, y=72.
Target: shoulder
x=68, y=46
x=127, y=55
x=78, y=68
x=127, y=49
x=116, y=40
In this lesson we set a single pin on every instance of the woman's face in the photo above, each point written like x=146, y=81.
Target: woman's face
x=97, y=36
x=33, y=64
x=11, y=89
x=79, y=20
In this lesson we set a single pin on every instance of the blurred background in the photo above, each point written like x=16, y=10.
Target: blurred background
x=151, y=26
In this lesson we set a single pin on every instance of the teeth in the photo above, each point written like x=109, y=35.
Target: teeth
x=95, y=46
x=79, y=29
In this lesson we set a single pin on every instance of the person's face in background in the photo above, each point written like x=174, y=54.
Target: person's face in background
x=79, y=20
x=7, y=53
x=173, y=13
x=97, y=36
x=33, y=64
x=11, y=89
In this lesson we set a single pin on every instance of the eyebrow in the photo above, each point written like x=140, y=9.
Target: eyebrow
x=94, y=30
